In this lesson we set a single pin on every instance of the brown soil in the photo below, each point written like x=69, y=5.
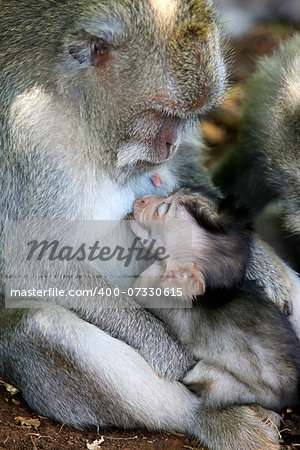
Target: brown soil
x=51, y=436
x=45, y=434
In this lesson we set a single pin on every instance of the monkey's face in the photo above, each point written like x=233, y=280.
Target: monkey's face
x=144, y=71
x=152, y=208
x=163, y=219
x=119, y=82
x=152, y=218
x=182, y=205
x=168, y=220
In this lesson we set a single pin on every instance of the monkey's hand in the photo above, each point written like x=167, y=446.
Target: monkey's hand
x=270, y=273
x=186, y=277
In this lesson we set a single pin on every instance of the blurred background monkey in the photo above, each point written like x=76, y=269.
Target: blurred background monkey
x=263, y=169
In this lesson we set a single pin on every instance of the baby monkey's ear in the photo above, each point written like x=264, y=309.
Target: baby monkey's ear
x=207, y=217
x=187, y=277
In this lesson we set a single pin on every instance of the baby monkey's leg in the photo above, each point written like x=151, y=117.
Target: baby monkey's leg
x=217, y=386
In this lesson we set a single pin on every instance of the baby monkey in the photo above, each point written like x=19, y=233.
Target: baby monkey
x=246, y=349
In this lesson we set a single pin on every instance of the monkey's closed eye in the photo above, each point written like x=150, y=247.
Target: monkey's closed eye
x=99, y=52
x=89, y=50
x=163, y=209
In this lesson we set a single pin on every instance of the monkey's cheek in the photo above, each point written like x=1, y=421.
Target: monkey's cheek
x=138, y=230
x=138, y=213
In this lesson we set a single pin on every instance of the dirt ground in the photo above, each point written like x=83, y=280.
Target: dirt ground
x=18, y=431
x=21, y=429
x=45, y=434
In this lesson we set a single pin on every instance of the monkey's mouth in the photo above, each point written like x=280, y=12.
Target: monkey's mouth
x=155, y=138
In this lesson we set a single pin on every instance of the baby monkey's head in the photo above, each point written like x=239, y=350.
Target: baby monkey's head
x=207, y=238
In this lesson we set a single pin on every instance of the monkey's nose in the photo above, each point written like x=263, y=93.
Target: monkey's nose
x=168, y=137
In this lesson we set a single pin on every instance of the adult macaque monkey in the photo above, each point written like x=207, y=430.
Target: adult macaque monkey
x=96, y=97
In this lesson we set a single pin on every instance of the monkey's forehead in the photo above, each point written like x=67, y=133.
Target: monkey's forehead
x=165, y=9
x=187, y=196
x=167, y=14
x=185, y=18
x=174, y=10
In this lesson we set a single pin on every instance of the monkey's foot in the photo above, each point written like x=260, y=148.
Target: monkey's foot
x=238, y=427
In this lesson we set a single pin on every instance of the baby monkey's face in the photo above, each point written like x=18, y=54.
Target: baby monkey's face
x=159, y=218
x=206, y=239
x=180, y=205
x=166, y=220
x=171, y=224
x=151, y=208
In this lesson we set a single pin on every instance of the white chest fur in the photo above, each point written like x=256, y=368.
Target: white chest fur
x=112, y=202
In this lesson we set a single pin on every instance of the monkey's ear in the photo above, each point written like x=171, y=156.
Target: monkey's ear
x=89, y=50
x=189, y=278
x=207, y=218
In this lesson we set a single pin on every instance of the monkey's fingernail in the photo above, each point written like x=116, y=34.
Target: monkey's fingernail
x=156, y=180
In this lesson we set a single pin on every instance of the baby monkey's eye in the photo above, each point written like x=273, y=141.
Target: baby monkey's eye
x=163, y=209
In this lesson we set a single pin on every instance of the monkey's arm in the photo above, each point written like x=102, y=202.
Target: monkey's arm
x=124, y=319
x=271, y=275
